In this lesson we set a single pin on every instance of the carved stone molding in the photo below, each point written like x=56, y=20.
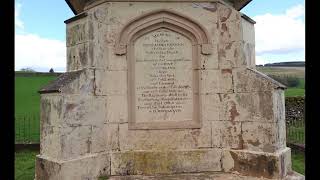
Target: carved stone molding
x=163, y=18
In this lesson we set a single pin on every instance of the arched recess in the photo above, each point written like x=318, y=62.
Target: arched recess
x=166, y=19
x=199, y=42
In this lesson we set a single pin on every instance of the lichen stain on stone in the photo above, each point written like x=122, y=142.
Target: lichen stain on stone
x=233, y=112
x=212, y=7
x=83, y=56
x=224, y=27
x=235, y=54
x=70, y=107
x=257, y=166
x=222, y=53
x=225, y=71
x=268, y=148
x=265, y=104
x=229, y=45
x=225, y=14
x=45, y=111
x=255, y=143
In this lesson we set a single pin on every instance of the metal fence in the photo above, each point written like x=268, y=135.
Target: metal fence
x=295, y=130
x=27, y=128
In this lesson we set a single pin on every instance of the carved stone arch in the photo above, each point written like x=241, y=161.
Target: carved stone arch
x=164, y=18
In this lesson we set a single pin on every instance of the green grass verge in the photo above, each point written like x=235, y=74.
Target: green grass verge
x=298, y=162
x=24, y=165
x=291, y=92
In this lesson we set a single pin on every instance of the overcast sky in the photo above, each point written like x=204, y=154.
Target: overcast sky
x=40, y=32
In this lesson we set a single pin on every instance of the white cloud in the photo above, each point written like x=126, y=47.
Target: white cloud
x=17, y=21
x=283, y=33
x=34, y=51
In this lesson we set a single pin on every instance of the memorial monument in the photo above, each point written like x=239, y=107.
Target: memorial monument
x=162, y=89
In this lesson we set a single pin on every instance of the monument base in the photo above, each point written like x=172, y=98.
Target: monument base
x=200, y=176
x=210, y=163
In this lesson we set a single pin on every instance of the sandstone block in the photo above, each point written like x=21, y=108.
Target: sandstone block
x=258, y=136
x=230, y=31
x=250, y=80
x=117, y=109
x=216, y=81
x=75, y=141
x=227, y=13
x=247, y=107
x=105, y=138
x=78, y=57
x=162, y=139
x=227, y=134
x=257, y=164
x=84, y=110
x=111, y=82
x=210, y=106
x=77, y=32
x=87, y=167
x=165, y=162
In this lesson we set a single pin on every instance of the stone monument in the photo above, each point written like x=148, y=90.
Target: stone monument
x=162, y=88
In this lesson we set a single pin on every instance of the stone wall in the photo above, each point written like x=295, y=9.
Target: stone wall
x=294, y=108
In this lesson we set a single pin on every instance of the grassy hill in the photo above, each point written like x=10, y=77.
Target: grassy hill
x=298, y=72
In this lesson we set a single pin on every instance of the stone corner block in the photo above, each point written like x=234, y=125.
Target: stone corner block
x=257, y=164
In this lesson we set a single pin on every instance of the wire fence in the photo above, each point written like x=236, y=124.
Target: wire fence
x=27, y=128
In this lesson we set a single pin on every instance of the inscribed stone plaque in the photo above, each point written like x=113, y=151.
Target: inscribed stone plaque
x=163, y=79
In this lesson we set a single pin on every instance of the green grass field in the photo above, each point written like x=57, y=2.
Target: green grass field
x=27, y=97
x=27, y=106
x=24, y=165
x=288, y=71
x=298, y=162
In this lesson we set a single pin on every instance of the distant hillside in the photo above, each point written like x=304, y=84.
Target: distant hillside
x=287, y=64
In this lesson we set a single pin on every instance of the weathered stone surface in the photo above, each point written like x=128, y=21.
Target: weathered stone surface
x=117, y=111
x=210, y=107
x=76, y=82
x=250, y=80
x=230, y=31
x=46, y=169
x=84, y=110
x=256, y=106
x=227, y=13
x=227, y=134
x=257, y=164
x=72, y=110
x=258, y=136
x=88, y=167
x=162, y=139
x=78, y=57
x=249, y=59
x=111, y=82
x=155, y=90
x=216, y=81
x=77, y=32
x=75, y=141
x=105, y=138
x=248, y=33
x=165, y=162
x=201, y=176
